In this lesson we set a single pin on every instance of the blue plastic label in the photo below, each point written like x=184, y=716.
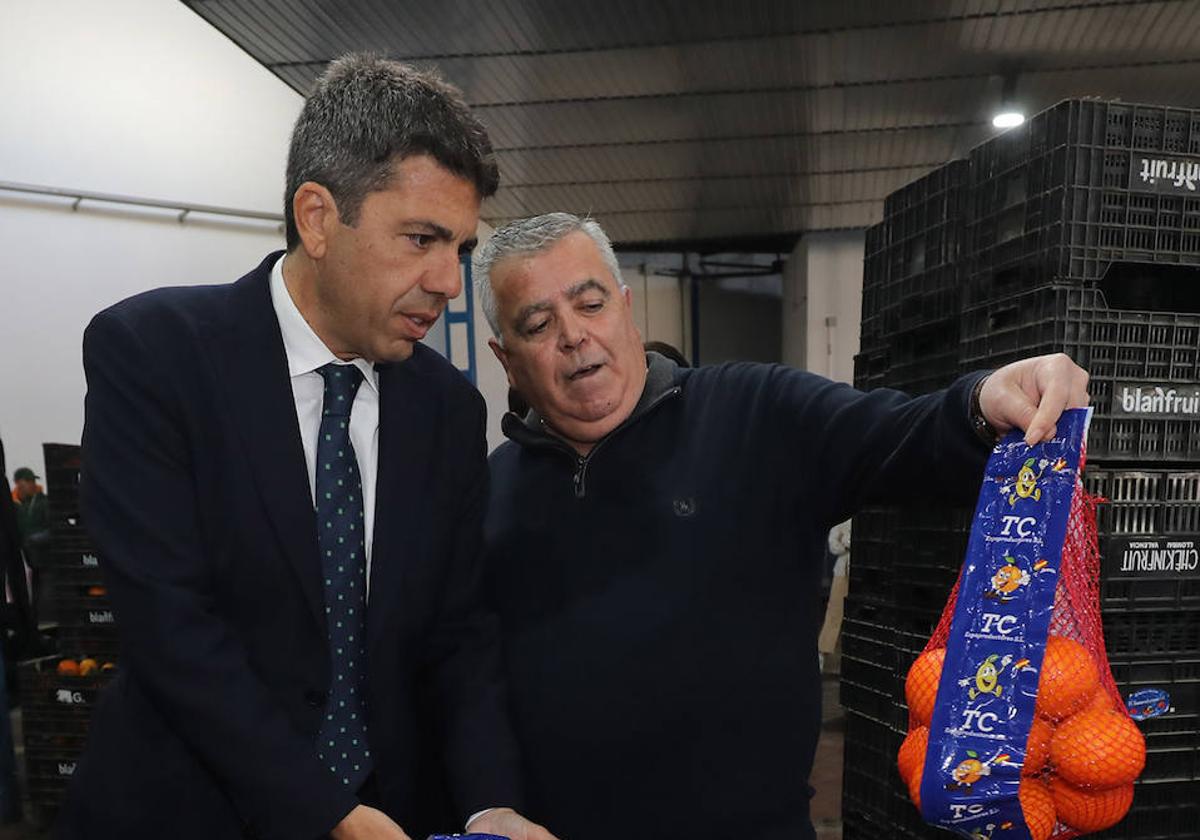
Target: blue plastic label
x=986, y=695
x=1148, y=703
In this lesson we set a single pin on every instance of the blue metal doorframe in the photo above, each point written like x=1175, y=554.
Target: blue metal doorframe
x=467, y=316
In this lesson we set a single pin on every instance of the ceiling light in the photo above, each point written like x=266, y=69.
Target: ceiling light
x=1008, y=119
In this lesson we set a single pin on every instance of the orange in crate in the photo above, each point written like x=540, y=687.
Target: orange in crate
x=1090, y=810
x=68, y=668
x=921, y=684
x=1037, y=747
x=912, y=752
x=1098, y=748
x=1068, y=681
x=1037, y=805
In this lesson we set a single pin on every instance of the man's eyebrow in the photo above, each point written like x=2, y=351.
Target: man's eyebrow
x=443, y=234
x=587, y=285
x=571, y=293
x=532, y=309
x=431, y=228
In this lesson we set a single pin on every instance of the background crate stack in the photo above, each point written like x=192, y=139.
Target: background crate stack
x=57, y=706
x=911, y=285
x=1078, y=232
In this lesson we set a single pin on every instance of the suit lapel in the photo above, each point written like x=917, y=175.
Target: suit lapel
x=402, y=520
x=256, y=374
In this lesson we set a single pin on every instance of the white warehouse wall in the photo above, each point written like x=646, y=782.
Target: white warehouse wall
x=139, y=98
x=133, y=97
x=822, y=303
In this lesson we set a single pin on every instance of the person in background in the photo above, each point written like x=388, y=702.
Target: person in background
x=655, y=537
x=17, y=629
x=831, y=629
x=33, y=515
x=33, y=525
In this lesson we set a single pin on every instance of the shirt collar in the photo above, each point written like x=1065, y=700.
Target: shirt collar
x=304, y=349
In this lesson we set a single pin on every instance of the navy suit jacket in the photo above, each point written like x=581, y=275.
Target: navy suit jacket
x=195, y=491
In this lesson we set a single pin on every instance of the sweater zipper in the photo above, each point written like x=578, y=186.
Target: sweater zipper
x=581, y=462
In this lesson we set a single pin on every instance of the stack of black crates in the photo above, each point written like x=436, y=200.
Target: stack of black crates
x=1076, y=232
x=57, y=699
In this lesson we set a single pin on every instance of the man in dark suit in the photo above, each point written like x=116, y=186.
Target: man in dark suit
x=286, y=489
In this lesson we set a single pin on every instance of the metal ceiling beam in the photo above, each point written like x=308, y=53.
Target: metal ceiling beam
x=964, y=17
x=717, y=176
x=848, y=85
x=766, y=135
x=729, y=208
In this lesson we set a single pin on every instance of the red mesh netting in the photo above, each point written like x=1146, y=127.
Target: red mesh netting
x=1083, y=751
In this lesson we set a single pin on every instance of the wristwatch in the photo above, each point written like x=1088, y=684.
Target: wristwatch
x=984, y=430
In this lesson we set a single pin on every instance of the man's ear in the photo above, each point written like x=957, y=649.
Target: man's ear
x=315, y=213
x=502, y=356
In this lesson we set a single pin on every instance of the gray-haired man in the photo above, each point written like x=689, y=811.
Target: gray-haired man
x=286, y=489
x=655, y=537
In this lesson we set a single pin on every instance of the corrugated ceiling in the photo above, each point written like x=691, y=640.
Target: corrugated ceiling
x=718, y=125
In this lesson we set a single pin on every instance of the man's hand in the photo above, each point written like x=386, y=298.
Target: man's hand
x=508, y=823
x=1032, y=393
x=365, y=823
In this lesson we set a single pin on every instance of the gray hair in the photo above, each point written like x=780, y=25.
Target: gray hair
x=365, y=114
x=531, y=236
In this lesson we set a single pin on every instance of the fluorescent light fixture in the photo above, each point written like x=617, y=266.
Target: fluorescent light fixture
x=1008, y=119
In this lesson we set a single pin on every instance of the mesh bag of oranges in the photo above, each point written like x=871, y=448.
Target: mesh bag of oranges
x=1016, y=729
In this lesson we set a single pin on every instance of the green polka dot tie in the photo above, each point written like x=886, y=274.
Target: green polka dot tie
x=342, y=741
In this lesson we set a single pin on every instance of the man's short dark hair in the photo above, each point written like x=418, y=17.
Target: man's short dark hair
x=367, y=113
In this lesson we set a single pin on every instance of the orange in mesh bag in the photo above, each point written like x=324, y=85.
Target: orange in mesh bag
x=1016, y=728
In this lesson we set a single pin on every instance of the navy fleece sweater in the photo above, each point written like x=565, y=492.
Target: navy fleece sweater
x=660, y=599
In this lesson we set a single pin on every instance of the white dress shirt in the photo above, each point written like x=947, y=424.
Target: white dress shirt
x=305, y=354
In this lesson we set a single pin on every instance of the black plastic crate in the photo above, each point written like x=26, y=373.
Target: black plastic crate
x=911, y=269
x=62, y=485
x=869, y=703
x=871, y=786
x=47, y=693
x=1145, y=500
x=62, y=455
x=870, y=368
x=1130, y=355
x=873, y=533
x=101, y=643
x=68, y=558
x=1160, y=811
x=1151, y=634
x=925, y=358
x=56, y=712
x=870, y=646
x=96, y=614
x=1113, y=344
x=1149, y=526
x=1063, y=195
x=1176, y=677
x=52, y=769
x=67, y=528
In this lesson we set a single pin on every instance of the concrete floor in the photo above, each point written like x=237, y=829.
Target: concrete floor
x=827, y=768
